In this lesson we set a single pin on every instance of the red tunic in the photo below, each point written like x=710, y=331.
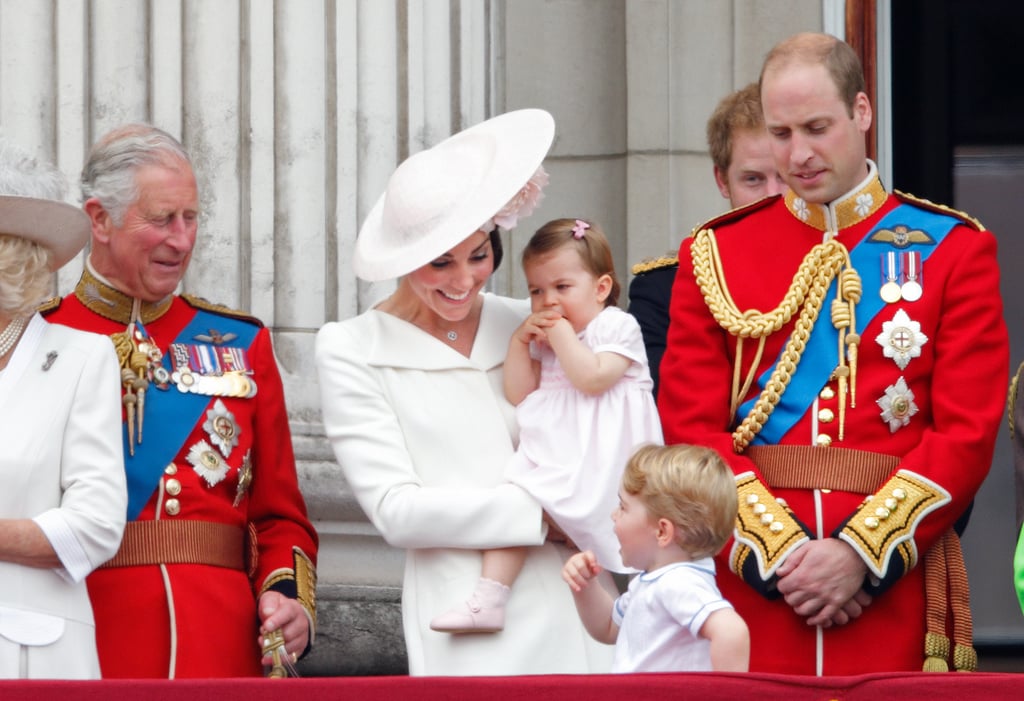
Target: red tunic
x=957, y=377
x=198, y=620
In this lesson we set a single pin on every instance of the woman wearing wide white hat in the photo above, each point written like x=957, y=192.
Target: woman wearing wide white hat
x=62, y=506
x=414, y=408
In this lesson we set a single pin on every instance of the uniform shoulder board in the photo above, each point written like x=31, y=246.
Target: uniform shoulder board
x=49, y=306
x=735, y=214
x=649, y=264
x=940, y=208
x=208, y=306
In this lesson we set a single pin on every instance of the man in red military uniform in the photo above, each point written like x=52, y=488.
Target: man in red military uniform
x=218, y=551
x=844, y=349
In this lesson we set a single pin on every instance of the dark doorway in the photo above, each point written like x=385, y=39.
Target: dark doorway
x=958, y=139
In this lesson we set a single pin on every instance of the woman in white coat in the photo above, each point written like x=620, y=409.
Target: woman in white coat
x=413, y=403
x=63, y=502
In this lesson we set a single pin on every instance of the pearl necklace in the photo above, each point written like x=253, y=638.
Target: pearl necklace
x=10, y=335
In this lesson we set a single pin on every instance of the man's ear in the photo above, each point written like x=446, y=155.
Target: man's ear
x=862, y=113
x=721, y=180
x=102, y=224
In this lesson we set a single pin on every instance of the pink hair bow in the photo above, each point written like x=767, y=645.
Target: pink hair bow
x=580, y=229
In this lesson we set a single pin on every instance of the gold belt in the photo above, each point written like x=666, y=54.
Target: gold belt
x=814, y=467
x=180, y=543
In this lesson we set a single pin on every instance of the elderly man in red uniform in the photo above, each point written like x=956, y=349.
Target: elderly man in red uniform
x=844, y=348
x=217, y=565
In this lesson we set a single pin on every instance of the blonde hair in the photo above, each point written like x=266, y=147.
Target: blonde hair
x=24, y=275
x=689, y=485
x=592, y=248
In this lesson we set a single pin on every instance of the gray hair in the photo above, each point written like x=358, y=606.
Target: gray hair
x=110, y=170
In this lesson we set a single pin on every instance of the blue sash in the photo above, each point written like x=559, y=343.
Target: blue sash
x=819, y=357
x=172, y=415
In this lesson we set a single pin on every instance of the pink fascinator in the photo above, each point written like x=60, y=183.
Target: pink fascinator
x=580, y=229
x=522, y=205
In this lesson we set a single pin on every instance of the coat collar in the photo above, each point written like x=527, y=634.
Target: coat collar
x=398, y=343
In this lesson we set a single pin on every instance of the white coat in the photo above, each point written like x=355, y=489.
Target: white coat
x=62, y=465
x=422, y=434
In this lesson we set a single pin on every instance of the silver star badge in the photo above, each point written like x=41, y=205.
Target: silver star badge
x=901, y=339
x=897, y=405
x=207, y=463
x=220, y=425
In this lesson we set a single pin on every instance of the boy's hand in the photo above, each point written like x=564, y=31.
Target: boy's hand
x=580, y=569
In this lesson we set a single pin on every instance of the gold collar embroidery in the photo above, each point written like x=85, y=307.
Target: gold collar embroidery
x=112, y=304
x=850, y=209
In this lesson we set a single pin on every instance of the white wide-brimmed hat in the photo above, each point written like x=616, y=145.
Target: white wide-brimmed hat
x=438, y=197
x=58, y=226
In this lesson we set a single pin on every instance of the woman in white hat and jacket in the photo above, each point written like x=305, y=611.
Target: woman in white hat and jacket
x=414, y=408
x=63, y=502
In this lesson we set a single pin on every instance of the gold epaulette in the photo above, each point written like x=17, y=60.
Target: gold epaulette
x=649, y=264
x=941, y=209
x=49, y=306
x=207, y=305
x=736, y=213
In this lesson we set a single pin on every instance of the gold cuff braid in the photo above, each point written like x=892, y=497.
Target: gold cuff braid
x=763, y=525
x=888, y=519
x=304, y=577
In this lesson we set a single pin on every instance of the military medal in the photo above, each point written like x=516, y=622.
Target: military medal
x=207, y=463
x=221, y=427
x=182, y=376
x=911, y=289
x=244, y=479
x=901, y=339
x=897, y=405
x=212, y=371
x=890, y=291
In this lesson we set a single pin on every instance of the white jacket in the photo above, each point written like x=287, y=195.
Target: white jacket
x=62, y=465
x=422, y=434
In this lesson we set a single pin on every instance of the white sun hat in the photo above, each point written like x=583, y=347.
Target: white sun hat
x=438, y=197
x=58, y=226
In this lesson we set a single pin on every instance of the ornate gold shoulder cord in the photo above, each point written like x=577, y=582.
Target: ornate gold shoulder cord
x=806, y=293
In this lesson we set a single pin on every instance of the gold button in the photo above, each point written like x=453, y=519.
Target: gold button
x=776, y=527
x=766, y=519
x=172, y=507
x=171, y=469
x=882, y=512
x=899, y=494
x=173, y=487
x=826, y=416
x=827, y=393
x=759, y=508
x=823, y=440
x=871, y=522
x=752, y=499
x=891, y=504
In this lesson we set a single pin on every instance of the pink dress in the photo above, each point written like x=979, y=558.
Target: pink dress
x=574, y=446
